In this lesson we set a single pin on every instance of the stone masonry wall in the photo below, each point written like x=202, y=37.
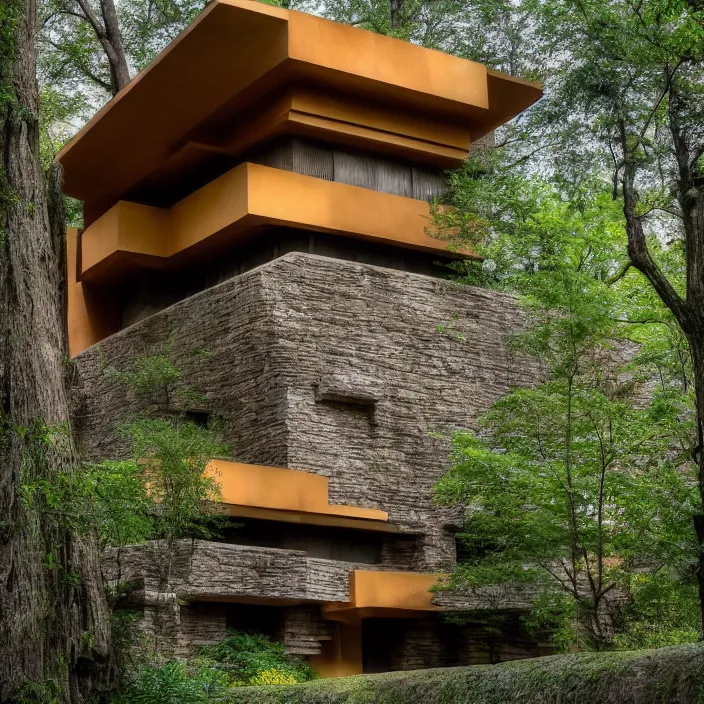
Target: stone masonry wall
x=350, y=371
x=201, y=569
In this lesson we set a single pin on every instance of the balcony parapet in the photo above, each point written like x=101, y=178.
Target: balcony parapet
x=289, y=495
x=230, y=209
x=209, y=571
x=510, y=597
x=386, y=593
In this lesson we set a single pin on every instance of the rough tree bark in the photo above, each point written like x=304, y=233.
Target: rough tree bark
x=54, y=618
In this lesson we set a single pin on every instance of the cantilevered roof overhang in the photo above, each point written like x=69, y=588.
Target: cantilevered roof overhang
x=245, y=72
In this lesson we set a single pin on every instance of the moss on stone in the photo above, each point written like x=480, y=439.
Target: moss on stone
x=665, y=676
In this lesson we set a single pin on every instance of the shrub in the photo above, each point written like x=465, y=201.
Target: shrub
x=246, y=657
x=240, y=660
x=663, y=611
x=172, y=683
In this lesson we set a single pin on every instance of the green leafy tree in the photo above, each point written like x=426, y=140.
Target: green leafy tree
x=300, y=5
x=431, y=23
x=625, y=88
x=121, y=503
x=173, y=454
x=551, y=504
x=90, y=49
x=85, y=39
x=579, y=485
x=660, y=613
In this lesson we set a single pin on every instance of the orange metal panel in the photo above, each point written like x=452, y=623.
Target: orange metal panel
x=359, y=136
x=337, y=119
x=341, y=656
x=92, y=316
x=380, y=117
x=227, y=48
x=221, y=204
x=72, y=254
x=311, y=519
x=131, y=236
x=126, y=227
x=286, y=198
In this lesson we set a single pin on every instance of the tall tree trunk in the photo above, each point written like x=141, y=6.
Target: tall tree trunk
x=396, y=10
x=690, y=318
x=690, y=195
x=114, y=47
x=108, y=33
x=54, y=618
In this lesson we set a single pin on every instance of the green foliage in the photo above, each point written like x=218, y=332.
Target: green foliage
x=147, y=27
x=55, y=112
x=573, y=483
x=167, y=491
x=47, y=691
x=253, y=658
x=239, y=660
x=72, y=59
x=123, y=505
x=62, y=496
x=667, y=676
x=123, y=634
x=150, y=376
x=172, y=683
x=664, y=611
x=272, y=677
x=161, y=494
x=173, y=454
x=154, y=379
x=540, y=516
x=300, y=5
x=11, y=14
x=552, y=618
x=432, y=23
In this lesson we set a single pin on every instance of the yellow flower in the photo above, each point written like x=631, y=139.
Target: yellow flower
x=272, y=676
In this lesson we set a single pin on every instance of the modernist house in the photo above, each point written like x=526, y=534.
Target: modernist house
x=257, y=201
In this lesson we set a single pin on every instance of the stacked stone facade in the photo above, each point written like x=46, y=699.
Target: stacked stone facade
x=353, y=372
x=350, y=371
